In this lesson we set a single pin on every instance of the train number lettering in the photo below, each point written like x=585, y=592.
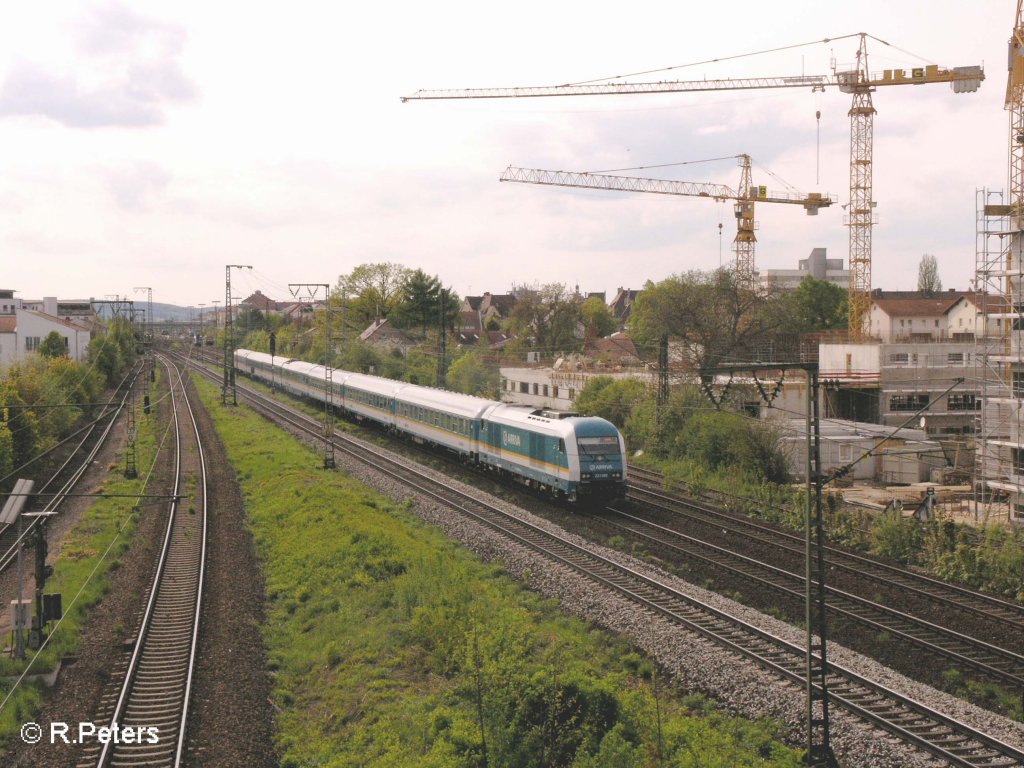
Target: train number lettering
x=508, y=438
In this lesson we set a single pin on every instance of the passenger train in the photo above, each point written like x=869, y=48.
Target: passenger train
x=573, y=457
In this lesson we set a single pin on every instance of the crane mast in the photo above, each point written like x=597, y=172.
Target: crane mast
x=1015, y=106
x=745, y=197
x=860, y=217
x=858, y=82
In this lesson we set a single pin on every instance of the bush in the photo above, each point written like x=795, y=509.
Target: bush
x=897, y=537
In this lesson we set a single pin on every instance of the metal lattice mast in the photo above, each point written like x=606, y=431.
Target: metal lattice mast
x=1015, y=106
x=131, y=431
x=442, y=350
x=150, y=336
x=745, y=225
x=662, y=400
x=229, y=339
x=860, y=216
x=130, y=460
x=328, y=428
x=819, y=750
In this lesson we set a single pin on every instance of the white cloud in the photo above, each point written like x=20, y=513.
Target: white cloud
x=126, y=74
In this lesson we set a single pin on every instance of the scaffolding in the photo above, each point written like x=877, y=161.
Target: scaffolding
x=999, y=358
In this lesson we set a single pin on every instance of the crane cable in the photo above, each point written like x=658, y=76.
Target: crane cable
x=747, y=55
x=724, y=58
x=667, y=165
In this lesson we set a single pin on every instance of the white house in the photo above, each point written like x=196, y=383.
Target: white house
x=911, y=319
x=29, y=329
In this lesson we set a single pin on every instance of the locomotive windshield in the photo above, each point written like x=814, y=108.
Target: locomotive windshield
x=599, y=447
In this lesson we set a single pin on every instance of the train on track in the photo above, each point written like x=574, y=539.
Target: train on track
x=578, y=458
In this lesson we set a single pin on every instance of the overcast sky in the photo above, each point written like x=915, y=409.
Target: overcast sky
x=150, y=144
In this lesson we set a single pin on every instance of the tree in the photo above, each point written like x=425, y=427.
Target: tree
x=597, y=318
x=610, y=398
x=54, y=345
x=371, y=291
x=928, y=281
x=21, y=423
x=819, y=305
x=548, y=318
x=709, y=313
x=250, y=319
x=471, y=375
x=112, y=351
x=421, y=298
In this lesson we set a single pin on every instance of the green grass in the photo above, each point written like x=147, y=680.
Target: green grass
x=82, y=553
x=392, y=646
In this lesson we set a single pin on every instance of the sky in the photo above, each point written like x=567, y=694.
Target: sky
x=150, y=144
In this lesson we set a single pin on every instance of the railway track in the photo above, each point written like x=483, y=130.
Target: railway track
x=85, y=443
x=995, y=663
x=154, y=696
x=945, y=594
x=910, y=721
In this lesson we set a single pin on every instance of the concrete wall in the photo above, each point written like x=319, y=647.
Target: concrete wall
x=853, y=363
x=549, y=388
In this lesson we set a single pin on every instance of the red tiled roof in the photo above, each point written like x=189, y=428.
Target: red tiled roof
x=617, y=346
x=938, y=305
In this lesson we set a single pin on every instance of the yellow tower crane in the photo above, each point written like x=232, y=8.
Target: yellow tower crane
x=1014, y=104
x=858, y=82
x=745, y=196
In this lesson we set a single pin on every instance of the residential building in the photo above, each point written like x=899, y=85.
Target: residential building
x=622, y=305
x=817, y=265
x=380, y=333
x=912, y=316
x=24, y=332
x=556, y=386
x=490, y=306
x=263, y=303
x=24, y=323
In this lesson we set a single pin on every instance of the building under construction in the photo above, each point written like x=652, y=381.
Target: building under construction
x=999, y=354
x=999, y=357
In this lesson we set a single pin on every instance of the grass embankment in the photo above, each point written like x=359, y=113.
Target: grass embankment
x=392, y=646
x=88, y=554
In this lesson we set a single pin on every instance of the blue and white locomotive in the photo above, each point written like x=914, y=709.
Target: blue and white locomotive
x=575, y=457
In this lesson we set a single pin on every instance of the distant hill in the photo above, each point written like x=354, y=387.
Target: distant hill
x=171, y=312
